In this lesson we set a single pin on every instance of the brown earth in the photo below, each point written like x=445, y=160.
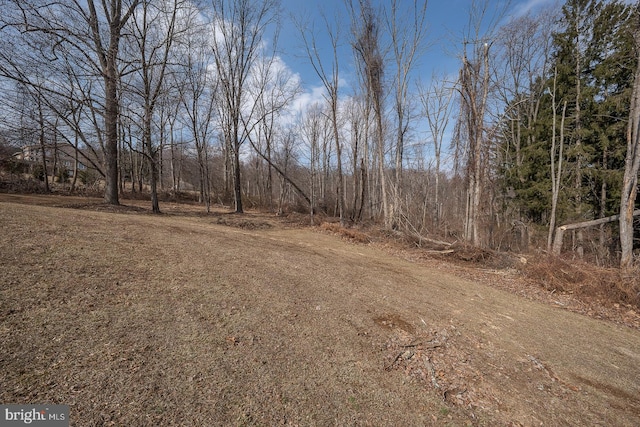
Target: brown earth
x=198, y=320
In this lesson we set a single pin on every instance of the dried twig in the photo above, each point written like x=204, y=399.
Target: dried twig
x=388, y=368
x=416, y=344
x=432, y=372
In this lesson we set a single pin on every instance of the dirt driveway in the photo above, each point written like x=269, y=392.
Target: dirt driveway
x=191, y=320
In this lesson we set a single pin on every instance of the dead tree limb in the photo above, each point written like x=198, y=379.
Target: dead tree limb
x=282, y=174
x=557, y=241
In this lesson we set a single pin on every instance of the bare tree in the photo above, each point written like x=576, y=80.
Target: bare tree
x=365, y=23
x=556, y=174
x=153, y=30
x=408, y=31
x=358, y=124
x=437, y=105
x=107, y=48
x=330, y=80
x=238, y=28
x=89, y=31
x=313, y=128
x=632, y=165
x=272, y=89
x=197, y=85
x=474, y=85
x=40, y=121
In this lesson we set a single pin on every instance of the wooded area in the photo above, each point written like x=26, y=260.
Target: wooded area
x=540, y=127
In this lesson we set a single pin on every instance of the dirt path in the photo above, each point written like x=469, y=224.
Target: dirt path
x=184, y=320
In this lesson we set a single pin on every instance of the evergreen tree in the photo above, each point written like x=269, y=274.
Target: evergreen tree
x=591, y=69
x=611, y=76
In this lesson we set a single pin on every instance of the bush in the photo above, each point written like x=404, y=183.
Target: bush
x=585, y=280
x=88, y=177
x=14, y=166
x=63, y=175
x=39, y=173
x=349, y=233
x=21, y=185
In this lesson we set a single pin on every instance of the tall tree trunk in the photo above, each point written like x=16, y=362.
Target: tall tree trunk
x=152, y=161
x=632, y=165
x=356, y=182
x=269, y=176
x=43, y=146
x=160, y=157
x=556, y=176
x=154, y=175
x=229, y=170
x=121, y=163
x=475, y=90
x=76, y=163
x=111, y=125
x=363, y=187
x=366, y=181
x=579, y=160
x=56, y=169
x=175, y=177
x=336, y=136
x=237, y=184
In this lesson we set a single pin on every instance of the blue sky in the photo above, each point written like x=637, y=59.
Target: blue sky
x=447, y=23
x=446, y=20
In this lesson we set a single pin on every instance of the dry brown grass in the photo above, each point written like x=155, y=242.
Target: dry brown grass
x=349, y=233
x=585, y=281
x=141, y=320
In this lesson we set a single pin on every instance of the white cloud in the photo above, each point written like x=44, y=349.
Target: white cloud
x=528, y=5
x=307, y=99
